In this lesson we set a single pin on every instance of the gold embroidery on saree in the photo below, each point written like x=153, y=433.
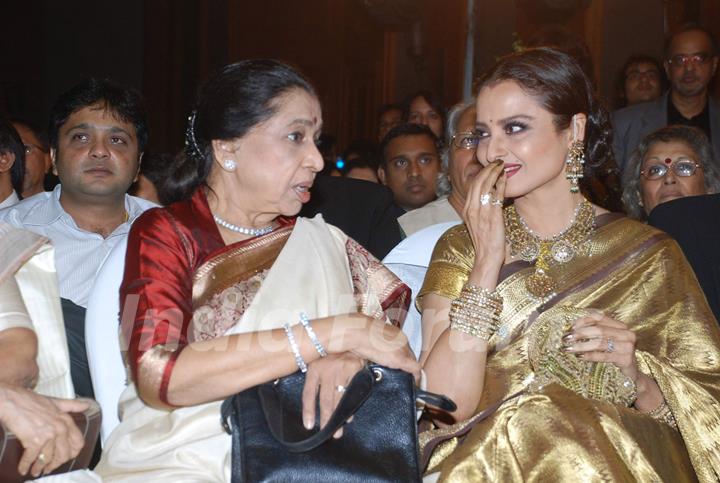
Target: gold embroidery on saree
x=237, y=264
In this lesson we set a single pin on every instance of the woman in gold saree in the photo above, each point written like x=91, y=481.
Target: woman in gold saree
x=224, y=291
x=576, y=342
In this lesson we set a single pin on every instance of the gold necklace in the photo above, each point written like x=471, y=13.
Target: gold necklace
x=561, y=248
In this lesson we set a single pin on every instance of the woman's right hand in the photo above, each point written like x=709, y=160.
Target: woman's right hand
x=377, y=341
x=486, y=225
x=43, y=426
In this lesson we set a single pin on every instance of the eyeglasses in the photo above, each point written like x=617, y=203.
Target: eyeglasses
x=683, y=59
x=682, y=167
x=466, y=140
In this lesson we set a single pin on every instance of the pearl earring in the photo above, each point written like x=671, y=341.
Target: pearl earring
x=229, y=165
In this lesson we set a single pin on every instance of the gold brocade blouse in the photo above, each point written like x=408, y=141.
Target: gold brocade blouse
x=640, y=277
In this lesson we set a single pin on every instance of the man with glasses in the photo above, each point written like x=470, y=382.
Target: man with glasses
x=37, y=157
x=690, y=63
x=641, y=80
x=459, y=167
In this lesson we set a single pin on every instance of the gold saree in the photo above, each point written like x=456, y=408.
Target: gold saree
x=640, y=277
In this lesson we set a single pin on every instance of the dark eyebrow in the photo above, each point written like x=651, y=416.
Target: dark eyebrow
x=116, y=129
x=113, y=129
x=302, y=121
x=80, y=126
x=517, y=117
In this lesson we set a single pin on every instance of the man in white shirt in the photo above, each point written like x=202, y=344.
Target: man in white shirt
x=98, y=131
x=12, y=164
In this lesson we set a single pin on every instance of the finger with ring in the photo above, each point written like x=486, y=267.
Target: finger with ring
x=610, y=345
x=41, y=459
x=496, y=202
x=340, y=388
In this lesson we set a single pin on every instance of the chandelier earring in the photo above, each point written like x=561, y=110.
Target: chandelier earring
x=229, y=164
x=575, y=160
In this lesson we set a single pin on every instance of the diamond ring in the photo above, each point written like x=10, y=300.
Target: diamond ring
x=41, y=459
x=496, y=202
x=610, y=345
x=485, y=199
x=340, y=388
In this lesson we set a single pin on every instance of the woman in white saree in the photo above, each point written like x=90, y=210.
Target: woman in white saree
x=216, y=284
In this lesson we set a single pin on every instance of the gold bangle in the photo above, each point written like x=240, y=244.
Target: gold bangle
x=663, y=414
x=476, y=312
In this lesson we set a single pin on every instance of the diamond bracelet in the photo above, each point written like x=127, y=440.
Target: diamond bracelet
x=305, y=321
x=295, y=349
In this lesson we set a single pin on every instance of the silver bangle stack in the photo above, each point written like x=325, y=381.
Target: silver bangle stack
x=476, y=312
x=305, y=321
x=295, y=349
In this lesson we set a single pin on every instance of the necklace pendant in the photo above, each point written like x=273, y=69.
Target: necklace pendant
x=540, y=284
x=562, y=252
x=529, y=252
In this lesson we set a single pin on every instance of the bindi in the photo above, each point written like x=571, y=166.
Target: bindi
x=668, y=161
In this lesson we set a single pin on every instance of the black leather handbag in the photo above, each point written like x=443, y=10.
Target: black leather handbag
x=380, y=444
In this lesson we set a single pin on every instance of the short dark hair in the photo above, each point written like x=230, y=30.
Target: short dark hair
x=40, y=134
x=359, y=163
x=155, y=167
x=230, y=103
x=633, y=60
x=127, y=104
x=10, y=142
x=402, y=130
x=688, y=27
x=366, y=156
x=363, y=148
x=389, y=107
x=432, y=100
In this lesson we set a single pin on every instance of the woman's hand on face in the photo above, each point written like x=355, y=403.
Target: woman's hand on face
x=483, y=216
x=592, y=337
x=327, y=377
x=42, y=426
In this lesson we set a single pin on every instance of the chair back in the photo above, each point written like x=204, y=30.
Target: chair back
x=409, y=260
x=102, y=337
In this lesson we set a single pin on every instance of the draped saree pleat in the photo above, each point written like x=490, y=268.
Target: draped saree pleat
x=257, y=285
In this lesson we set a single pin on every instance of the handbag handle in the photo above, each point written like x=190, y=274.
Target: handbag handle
x=438, y=400
x=357, y=392
x=355, y=395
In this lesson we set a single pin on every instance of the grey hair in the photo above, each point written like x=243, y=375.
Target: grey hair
x=693, y=137
x=443, y=186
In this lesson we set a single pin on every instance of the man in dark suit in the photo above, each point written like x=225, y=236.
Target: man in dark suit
x=690, y=63
x=693, y=222
x=363, y=210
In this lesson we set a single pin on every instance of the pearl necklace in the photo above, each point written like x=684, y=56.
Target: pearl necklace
x=241, y=229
